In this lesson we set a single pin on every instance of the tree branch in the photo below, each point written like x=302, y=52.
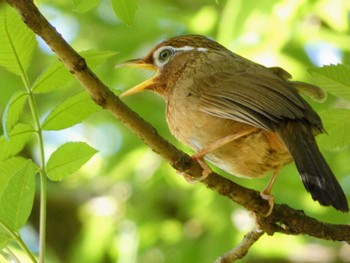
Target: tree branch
x=242, y=249
x=282, y=219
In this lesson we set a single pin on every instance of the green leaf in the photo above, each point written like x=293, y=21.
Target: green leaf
x=17, y=41
x=72, y=111
x=13, y=111
x=333, y=79
x=82, y=6
x=337, y=125
x=57, y=75
x=67, y=159
x=96, y=57
x=17, y=195
x=8, y=168
x=19, y=137
x=125, y=10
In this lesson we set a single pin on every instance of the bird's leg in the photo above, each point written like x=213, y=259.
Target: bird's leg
x=199, y=155
x=265, y=194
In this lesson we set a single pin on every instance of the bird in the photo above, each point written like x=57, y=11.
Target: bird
x=243, y=117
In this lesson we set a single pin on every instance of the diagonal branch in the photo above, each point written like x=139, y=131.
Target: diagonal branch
x=282, y=219
x=242, y=249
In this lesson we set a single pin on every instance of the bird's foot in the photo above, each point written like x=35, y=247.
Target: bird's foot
x=206, y=169
x=265, y=194
x=189, y=178
x=270, y=199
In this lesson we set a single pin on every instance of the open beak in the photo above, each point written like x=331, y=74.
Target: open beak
x=139, y=63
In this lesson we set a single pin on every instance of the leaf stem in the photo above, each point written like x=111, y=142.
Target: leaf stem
x=19, y=240
x=43, y=177
x=9, y=255
x=36, y=120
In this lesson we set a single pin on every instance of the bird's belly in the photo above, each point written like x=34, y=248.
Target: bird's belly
x=250, y=156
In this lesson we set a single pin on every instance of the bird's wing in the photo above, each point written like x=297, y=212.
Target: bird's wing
x=256, y=99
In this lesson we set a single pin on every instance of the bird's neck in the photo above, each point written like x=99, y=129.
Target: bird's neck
x=167, y=79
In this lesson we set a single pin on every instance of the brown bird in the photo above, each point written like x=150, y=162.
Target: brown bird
x=243, y=117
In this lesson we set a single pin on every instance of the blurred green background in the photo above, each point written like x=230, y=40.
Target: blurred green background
x=127, y=205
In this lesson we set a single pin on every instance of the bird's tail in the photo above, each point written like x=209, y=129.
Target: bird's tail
x=315, y=173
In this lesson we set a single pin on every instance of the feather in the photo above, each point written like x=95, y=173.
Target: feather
x=258, y=100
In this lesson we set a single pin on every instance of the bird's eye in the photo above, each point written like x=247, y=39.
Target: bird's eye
x=165, y=54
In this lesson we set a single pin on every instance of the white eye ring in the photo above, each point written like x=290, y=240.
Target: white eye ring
x=163, y=55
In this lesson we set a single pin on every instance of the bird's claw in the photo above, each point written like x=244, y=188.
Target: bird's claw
x=206, y=170
x=270, y=199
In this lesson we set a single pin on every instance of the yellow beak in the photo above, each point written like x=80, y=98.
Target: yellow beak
x=139, y=63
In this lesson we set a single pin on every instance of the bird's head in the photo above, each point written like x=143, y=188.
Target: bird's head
x=168, y=59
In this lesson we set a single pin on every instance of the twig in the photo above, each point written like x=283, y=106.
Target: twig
x=242, y=249
x=282, y=219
